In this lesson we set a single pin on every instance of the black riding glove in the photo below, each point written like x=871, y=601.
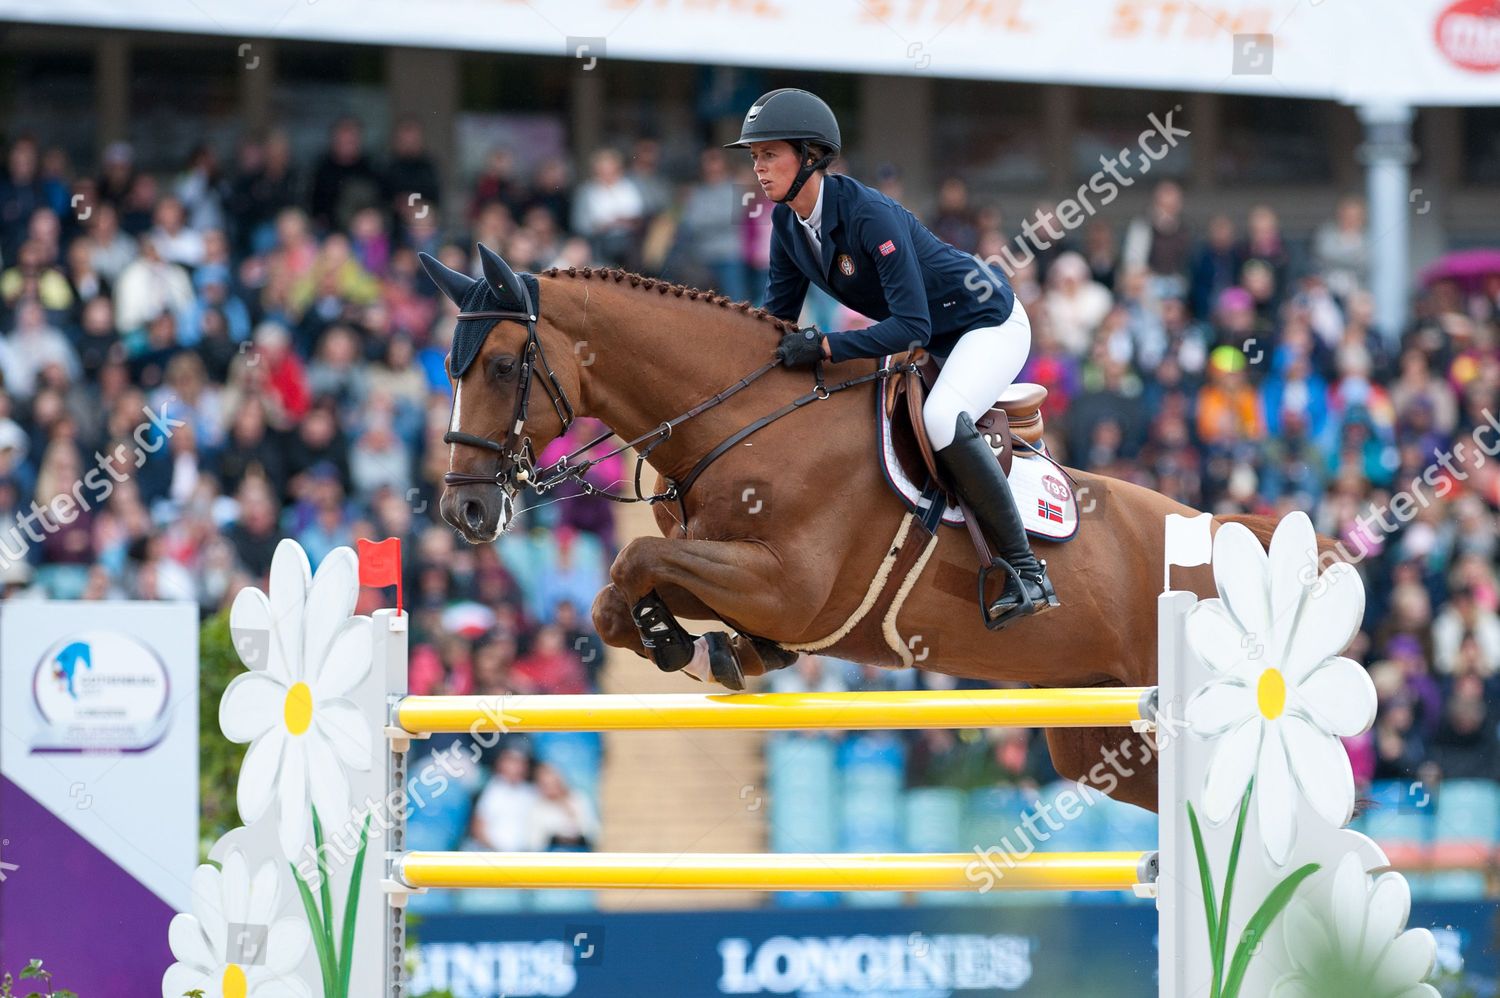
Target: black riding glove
x=801, y=347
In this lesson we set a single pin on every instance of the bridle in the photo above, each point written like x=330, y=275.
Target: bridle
x=517, y=464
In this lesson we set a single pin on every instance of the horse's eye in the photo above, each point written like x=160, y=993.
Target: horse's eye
x=505, y=366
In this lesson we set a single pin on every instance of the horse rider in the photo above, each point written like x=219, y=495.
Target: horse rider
x=873, y=256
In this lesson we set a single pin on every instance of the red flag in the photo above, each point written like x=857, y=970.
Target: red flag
x=380, y=565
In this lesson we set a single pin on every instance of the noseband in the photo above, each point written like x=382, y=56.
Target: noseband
x=516, y=462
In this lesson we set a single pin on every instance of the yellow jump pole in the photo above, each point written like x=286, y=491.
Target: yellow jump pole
x=960, y=871
x=1066, y=708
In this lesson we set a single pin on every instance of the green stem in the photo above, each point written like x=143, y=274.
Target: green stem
x=1260, y=923
x=1222, y=943
x=351, y=906
x=321, y=941
x=1206, y=881
x=324, y=892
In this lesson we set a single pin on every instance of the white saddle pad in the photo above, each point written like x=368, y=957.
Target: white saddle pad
x=1048, y=505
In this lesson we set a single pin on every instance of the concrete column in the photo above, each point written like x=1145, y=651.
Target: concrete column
x=1059, y=127
x=1203, y=118
x=112, y=89
x=895, y=126
x=1441, y=137
x=1343, y=146
x=258, y=83
x=1387, y=154
x=586, y=111
x=423, y=84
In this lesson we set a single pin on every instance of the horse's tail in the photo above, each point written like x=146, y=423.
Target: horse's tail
x=1264, y=526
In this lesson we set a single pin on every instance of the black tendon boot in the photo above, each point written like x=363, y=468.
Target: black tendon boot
x=970, y=467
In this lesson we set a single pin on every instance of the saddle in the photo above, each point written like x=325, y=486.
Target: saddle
x=1016, y=415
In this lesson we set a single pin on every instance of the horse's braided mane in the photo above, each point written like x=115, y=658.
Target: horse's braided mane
x=619, y=276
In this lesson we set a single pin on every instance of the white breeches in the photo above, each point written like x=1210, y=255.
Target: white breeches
x=984, y=362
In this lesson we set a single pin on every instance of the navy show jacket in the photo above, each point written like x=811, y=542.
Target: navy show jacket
x=881, y=261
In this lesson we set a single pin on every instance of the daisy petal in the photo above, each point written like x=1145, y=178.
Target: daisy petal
x=1390, y=906
x=1328, y=622
x=1293, y=566
x=1218, y=706
x=252, y=704
x=330, y=601
x=351, y=653
x=259, y=773
x=1338, y=697
x=236, y=887
x=1275, y=798
x=1421, y=991
x=286, y=944
x=1216, y=637
x=1292, y=986
x=294, y=827
x=346, y=729
x=1408, y=960
x=326, y=780
x=208, y=906
x=1306, y=938
x=181, y=979
x=1347, y=903
x=264, y=889
x=291, y=575
x=251, y=631
x=264, y=985
x=1230, y=769
x=1240, y=574
x=1321, y=768
x=189, y=944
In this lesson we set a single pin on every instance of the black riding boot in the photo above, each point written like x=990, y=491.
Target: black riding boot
x=970, y=467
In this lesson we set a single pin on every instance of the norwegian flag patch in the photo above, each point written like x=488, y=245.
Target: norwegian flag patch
x=1049, y=511
x=888, y=247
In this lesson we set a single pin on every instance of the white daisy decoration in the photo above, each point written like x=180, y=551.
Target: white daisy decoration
x=1347, y=941
x=233, y=945
x=1282, y=696
x=306, y=653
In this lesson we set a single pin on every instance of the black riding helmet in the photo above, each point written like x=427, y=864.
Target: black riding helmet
x=798, y=117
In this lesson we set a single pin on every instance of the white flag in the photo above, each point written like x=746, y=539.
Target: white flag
x=1189, y=542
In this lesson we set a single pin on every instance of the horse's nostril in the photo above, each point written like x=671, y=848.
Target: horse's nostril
x=473, y=512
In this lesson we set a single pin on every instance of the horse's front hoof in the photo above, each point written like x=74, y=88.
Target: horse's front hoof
x=723, y=662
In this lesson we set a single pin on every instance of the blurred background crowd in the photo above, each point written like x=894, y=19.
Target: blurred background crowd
x=247, y=349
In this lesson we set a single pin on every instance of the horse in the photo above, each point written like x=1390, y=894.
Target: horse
x=785, y=533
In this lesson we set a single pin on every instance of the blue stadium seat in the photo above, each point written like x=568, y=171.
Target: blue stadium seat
x=802, y=781
x=1468, y=811
x=933, y=822
x=872, y=771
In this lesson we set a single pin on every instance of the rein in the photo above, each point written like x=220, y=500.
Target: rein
x=517, y=465
x=560, y=471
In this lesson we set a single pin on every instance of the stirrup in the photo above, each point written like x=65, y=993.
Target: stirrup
x=668, y=642
x=996, y=620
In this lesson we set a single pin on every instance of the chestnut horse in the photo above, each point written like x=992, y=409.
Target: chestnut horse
x=784, y=534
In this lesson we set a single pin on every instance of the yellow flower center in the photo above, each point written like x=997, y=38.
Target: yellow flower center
x=298, y=709
x=1271, y=694
x=233, y=985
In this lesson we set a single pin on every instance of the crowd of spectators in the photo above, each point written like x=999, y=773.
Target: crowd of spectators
x=249, y=350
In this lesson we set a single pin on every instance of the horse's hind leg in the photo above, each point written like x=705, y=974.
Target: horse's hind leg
x=1117, y=761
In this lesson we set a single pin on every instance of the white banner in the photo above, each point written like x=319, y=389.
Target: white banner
x=1415, y=51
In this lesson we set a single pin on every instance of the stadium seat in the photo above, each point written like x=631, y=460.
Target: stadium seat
x=802, y=780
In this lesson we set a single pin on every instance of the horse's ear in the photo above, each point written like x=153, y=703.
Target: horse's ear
x=503, y=280
x=449, y=281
